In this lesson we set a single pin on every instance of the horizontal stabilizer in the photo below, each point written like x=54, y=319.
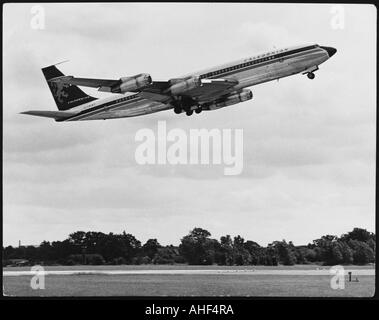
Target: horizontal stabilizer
x=57, y=115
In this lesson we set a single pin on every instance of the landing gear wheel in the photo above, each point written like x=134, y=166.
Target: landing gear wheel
x=189, y=112
x=177, y=110
x=311, y=75
x=198, y=110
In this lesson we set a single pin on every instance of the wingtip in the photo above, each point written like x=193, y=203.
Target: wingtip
x=29, y=113
x=55, y=64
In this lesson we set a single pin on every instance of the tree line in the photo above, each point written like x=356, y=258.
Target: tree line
x=196, y=248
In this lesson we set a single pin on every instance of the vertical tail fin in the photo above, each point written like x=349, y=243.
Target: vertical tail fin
x=66, y=96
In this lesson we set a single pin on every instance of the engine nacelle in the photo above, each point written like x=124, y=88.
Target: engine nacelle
x=185, y=85
x=130, y=84
x=234, y=98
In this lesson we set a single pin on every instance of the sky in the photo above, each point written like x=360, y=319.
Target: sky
x=309, y=145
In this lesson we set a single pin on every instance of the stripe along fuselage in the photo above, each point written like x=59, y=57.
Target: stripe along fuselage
x=248, y=72
x=270, y=65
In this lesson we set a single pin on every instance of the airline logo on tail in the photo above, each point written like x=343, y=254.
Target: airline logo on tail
x=66, y=96
x=59, y=91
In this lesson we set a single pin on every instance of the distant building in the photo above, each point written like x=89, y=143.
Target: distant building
x=17, y=262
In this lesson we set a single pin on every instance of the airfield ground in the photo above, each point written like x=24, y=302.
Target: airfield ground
x=179, y=280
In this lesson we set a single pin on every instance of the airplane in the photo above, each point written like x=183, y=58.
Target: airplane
x=206, y=90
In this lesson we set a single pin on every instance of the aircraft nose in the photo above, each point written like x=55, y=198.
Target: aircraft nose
x=331, y=51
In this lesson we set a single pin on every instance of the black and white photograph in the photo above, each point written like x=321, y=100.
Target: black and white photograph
x=203, y=150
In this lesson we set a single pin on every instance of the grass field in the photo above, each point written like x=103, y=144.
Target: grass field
x=233, y=284
x=187, y=267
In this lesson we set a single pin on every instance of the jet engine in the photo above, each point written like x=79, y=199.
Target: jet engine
x=231, y=99
x=184, y=85
x=130, y=84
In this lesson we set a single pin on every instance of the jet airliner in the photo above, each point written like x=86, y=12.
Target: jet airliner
x=206, y=90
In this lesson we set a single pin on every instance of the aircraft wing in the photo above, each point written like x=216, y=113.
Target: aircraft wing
x=212, y=88
x=87, y=82
x=158, y=90
x=209, y=89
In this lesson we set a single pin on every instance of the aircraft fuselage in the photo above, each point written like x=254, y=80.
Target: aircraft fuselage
x=242, y=74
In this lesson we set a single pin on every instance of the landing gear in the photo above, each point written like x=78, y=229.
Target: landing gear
x=188, y=109
x=189, y=112
x=310, y=72
x=178, y=110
